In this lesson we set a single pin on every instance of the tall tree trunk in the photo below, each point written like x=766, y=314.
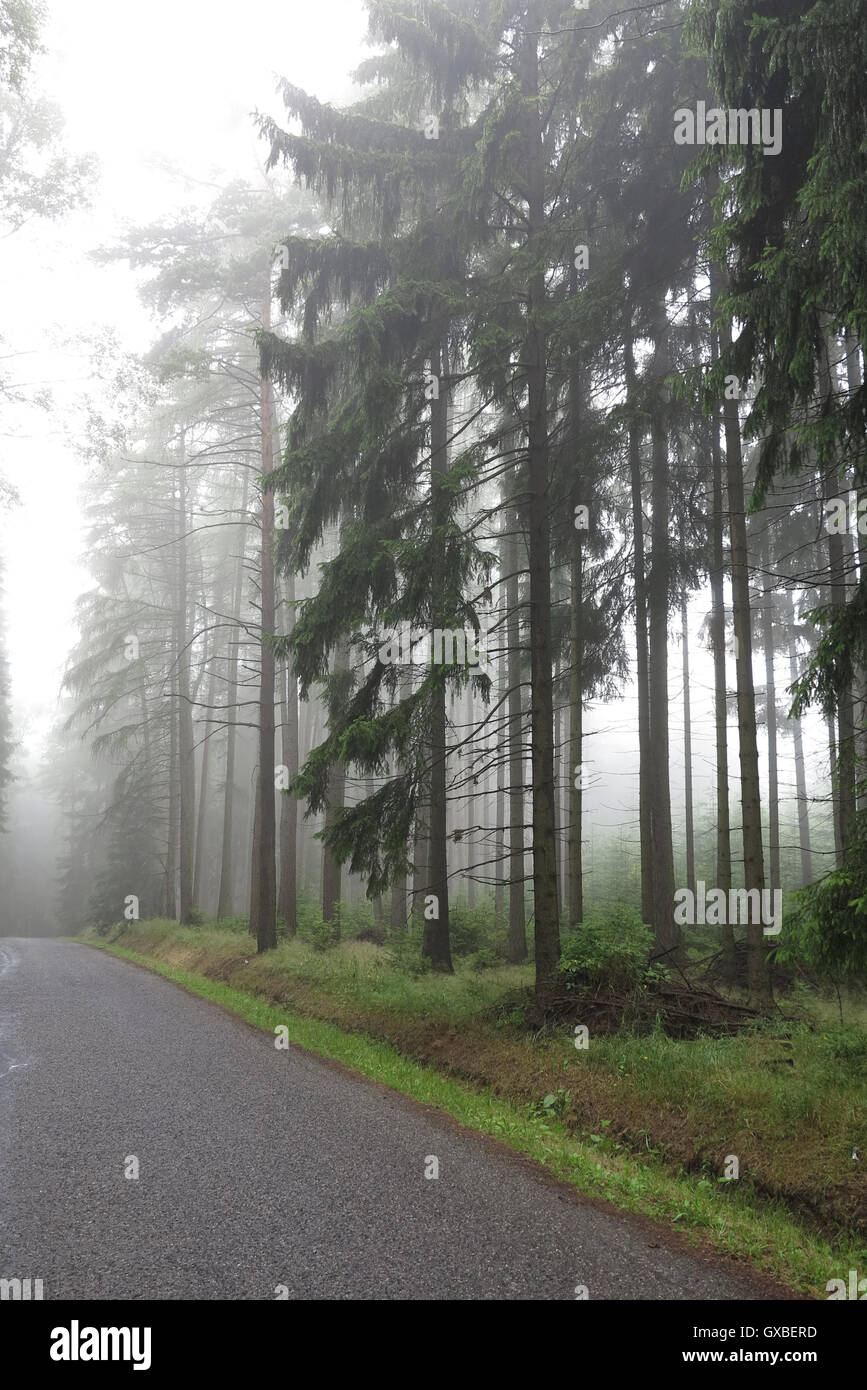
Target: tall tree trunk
x=546, y=925
x=575, y=778
x=687, y=749
x=419, y=860
x=171, y=888
x=398, y=904
x=436, y=945
x=771, y=702
x=472, y=799
x=845, y=752
x=837, y=564
x=854, y=381
x=668, y=935
x=204, y=789
x=501, y=753
x=800, y=770
x=718, y=630
x=754, y=873
x=255, y=859
x=565, y=780
x=559, y=818
x=288, y=887
x=517, y=938
x=576, y=735
x=642, y=660
x=331, y=869
x=833, y=774
x=420, y=848
x=266, y=934
x=225, y=900
x=186, y=744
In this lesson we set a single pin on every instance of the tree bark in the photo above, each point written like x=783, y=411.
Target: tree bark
x=471, y=799
x=186, y=744
x=800, y=770
x=225, y=901
x=718, y=633
x=501, y=747
x=642, y=660
x=668, y=935
x=202, y=819
x=546, y=926
x=687, y=749
x=288, y=888
x=854, y=381
x=266, y=934
x=435, y=940
x=331, y=868
x=171, y=885
x=771, y=703
x=754, y=874
x=517, y=938
x=839, y=597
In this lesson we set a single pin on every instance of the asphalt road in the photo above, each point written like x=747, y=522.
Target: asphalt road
x=261, y=1168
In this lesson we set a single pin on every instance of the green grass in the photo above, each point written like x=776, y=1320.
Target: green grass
x=355, y=970
x=711, y=1071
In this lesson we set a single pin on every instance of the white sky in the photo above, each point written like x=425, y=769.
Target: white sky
x=167, y=83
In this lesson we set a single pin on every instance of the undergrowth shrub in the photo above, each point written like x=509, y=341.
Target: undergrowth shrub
x=609, y=949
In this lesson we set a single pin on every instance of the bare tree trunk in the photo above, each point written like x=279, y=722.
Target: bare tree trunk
x=502, y=740
x=225, y=901
x=435, y=942
x=471, y=799
x=576, y=736
x=830, y=725
x=201, y=828
x=754, y=873
x=546, y=925
x=501, y=754
x=800, y=770
x=642, y=660
x=668, y=935
x=517, y=939
x=854, y=379
x=844, y=770
x=575, y=751
x=265, y=865
x=559, y=823
x=331, y=869
x=186, y=745
x=255, y=857
x=288, y=888
x=687, y=750
x=419, y=861
x=565, y=780
x=398, y=904
x=718, y=630
x=171, y=889
x=839, y=597
x=771, y=702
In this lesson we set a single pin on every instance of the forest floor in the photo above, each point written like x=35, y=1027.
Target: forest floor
x=650, y=1123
